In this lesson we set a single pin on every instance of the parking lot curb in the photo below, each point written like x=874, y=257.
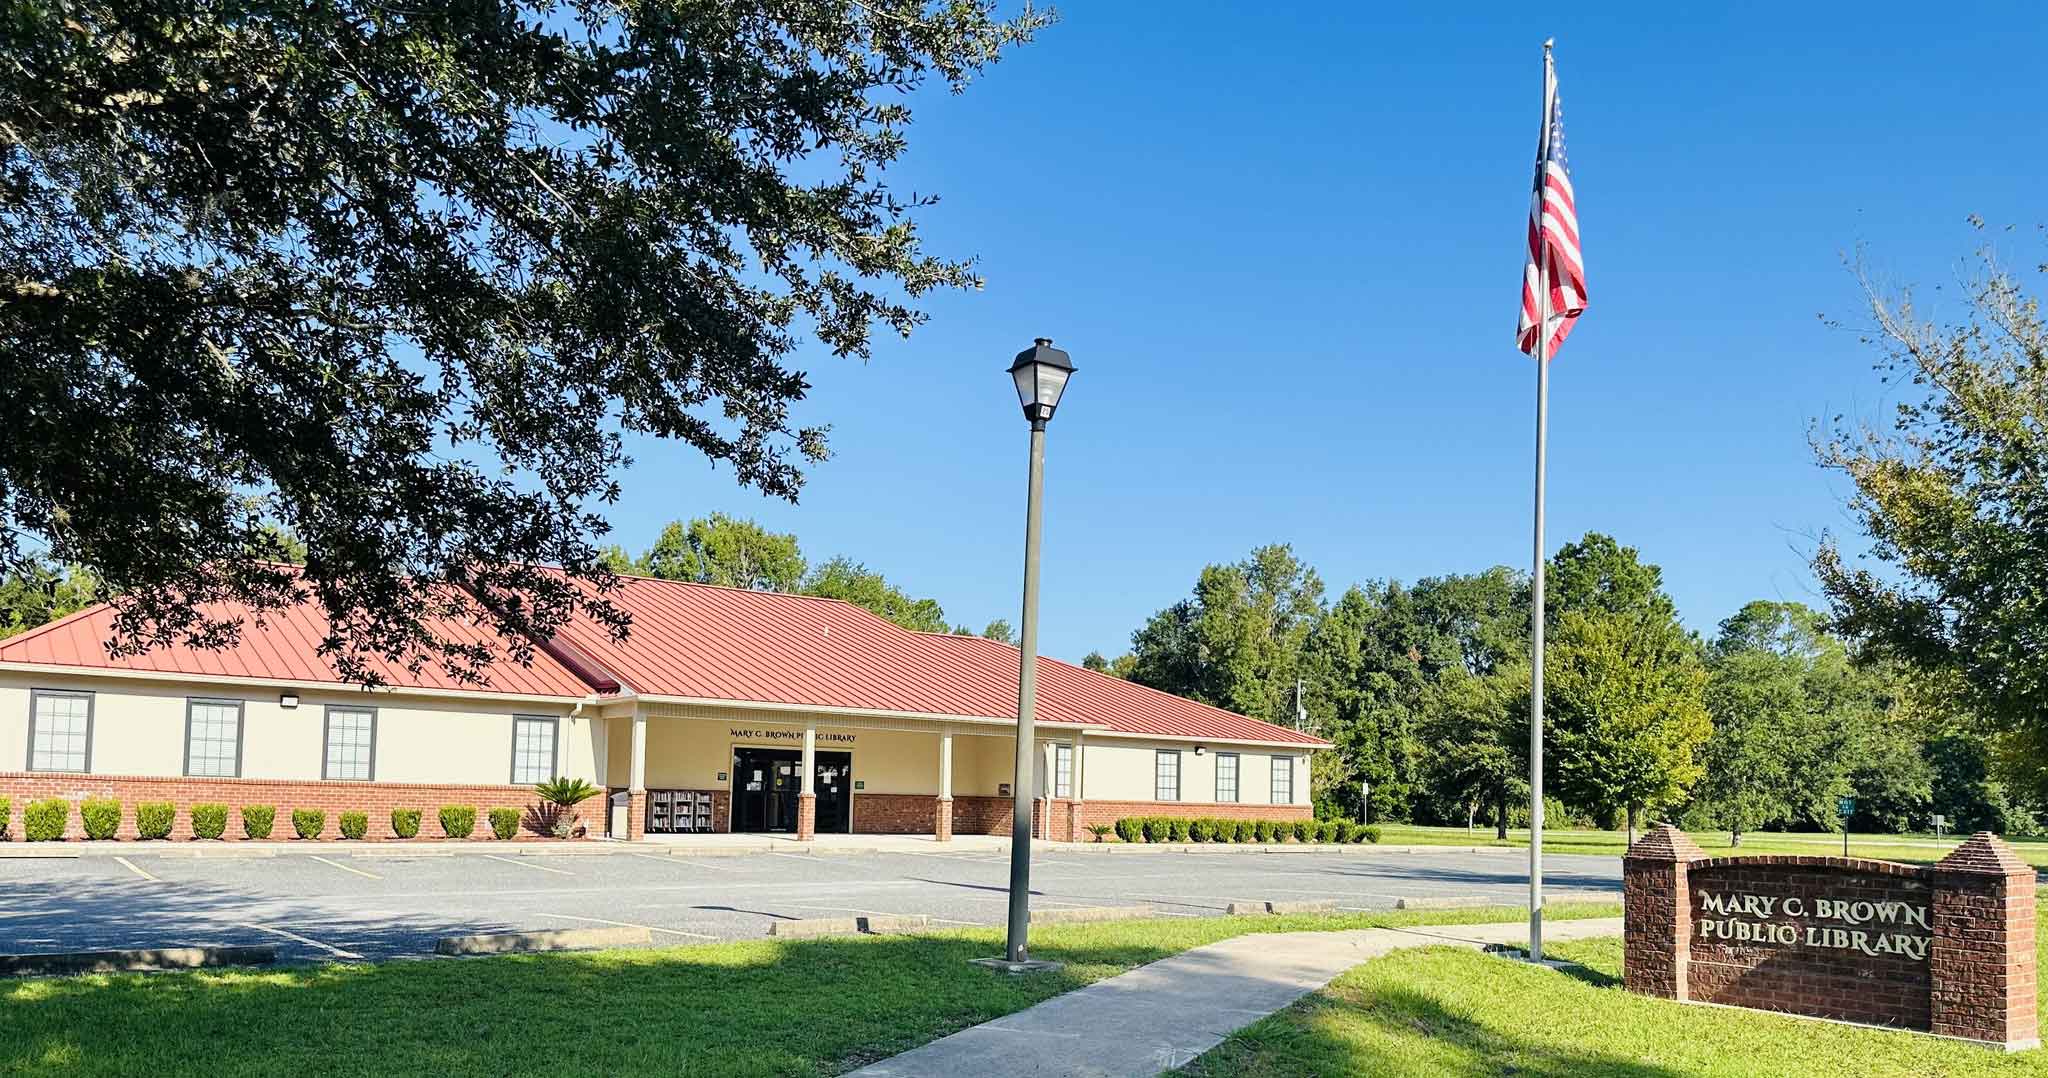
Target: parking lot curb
x=873, y=925
x=35, y=851
x=554, y=939
x=1089, y=914
x=1448, y=902
x=134, y=960
x=1242, y=909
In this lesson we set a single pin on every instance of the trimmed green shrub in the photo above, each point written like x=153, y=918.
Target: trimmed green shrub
x=101, y=816
x=6, y=815
x=1223, y=830
x=1331, y=831
x=153, y=819
x=354, y=824
x=405, y=823
x=258, y=820
x=309, y=822
x=1157, y=829
x=1368, y=833
x=1201, y=830
x=209, y=821
x=43, y=821
x=1267, y=830
x=458, y=821
x=1247, y=831
x=1177, y=829
x=1303, y=829
x=504, y=822
x=1130, y=829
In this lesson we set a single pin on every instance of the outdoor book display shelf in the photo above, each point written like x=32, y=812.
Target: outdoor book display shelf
x=678, y=812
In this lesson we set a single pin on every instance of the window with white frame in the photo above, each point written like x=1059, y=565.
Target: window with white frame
x=1283, y=780
x=1226, y=776
x=351, y=744
x=1166, y=775
x=60, y=731
x=213, y=738
x=533, y=750
x=1063, y=770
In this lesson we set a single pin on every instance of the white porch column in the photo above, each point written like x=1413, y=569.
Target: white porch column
x=807, y=797
x=946, y=765
x=637, y=772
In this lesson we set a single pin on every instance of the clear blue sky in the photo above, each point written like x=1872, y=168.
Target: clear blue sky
x=1283, y=244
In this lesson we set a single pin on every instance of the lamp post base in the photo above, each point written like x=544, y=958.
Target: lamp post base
x=1029, y=965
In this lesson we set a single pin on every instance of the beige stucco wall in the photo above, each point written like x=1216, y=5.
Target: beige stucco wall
x=138, y=728
x=1124, y=770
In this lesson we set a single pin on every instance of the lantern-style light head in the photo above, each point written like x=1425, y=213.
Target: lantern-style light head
x=1041, y=372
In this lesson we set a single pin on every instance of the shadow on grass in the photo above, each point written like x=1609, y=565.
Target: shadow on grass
x=1397, y=1031
x=805, y=1007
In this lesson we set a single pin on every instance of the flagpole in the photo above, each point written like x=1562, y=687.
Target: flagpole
x=1536, y=581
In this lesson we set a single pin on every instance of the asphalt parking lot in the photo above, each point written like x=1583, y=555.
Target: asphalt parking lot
x=370, y=908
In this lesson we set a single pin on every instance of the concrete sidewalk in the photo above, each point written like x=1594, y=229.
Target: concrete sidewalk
x=1162, y=1016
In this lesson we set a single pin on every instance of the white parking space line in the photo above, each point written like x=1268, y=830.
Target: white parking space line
x=693, y=862
x=346, y=868
x=337, y=952
x=629, y=924
x=130, y=866
x=531, y=865
x=32, y=913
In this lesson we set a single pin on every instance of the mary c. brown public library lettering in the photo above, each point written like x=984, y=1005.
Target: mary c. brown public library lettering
x=1945, y=948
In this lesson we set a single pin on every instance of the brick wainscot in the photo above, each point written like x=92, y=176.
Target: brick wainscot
x=374, y=799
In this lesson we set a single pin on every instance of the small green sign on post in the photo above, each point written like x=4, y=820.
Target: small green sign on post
x=1846, y=807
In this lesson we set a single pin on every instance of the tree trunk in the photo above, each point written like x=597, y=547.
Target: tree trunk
x=1632, y=825
x=1734, y=839
x=1500, y=819
x=1471, y=813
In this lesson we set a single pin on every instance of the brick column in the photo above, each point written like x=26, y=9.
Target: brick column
x=636, y=817
x=1657, y=912
x=806, y=817
x=1073, y=821
x=1981, y=963
x=942, y=819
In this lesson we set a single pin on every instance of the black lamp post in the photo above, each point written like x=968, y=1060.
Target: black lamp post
x=1041, y=372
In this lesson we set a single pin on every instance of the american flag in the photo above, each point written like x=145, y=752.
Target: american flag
x=1555, y=263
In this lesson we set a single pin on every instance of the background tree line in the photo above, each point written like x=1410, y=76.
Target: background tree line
x=1424, y=689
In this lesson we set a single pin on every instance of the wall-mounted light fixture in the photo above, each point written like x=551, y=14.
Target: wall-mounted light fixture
x=288, y=700
x=1198, y=750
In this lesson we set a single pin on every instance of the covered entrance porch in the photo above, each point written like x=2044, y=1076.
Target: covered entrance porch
x=693, y=771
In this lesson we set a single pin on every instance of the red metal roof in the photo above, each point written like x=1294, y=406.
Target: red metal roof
x=285, y=648
x=706, y=643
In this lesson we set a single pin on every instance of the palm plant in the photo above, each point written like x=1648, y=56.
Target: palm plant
x=565, y=793
x=559, y=798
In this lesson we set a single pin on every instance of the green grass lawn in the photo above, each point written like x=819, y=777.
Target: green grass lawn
x=766, y=1007
x=1441, y=1011
x=1886, y=847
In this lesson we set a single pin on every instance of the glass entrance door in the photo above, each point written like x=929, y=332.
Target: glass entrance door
x=766, y=784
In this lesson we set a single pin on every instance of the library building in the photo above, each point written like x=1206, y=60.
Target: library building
x=723, y=710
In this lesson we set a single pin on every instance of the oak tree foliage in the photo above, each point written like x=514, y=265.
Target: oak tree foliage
x=401, y=278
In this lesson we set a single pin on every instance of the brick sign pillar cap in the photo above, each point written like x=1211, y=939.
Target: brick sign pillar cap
x=1984, y=854
x=1665, y=843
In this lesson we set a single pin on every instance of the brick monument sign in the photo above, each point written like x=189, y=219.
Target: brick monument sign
x=1945, y=948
